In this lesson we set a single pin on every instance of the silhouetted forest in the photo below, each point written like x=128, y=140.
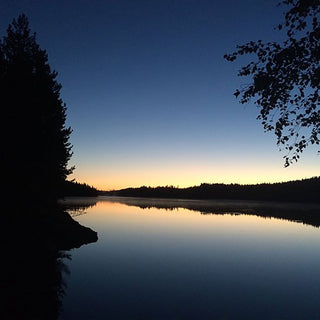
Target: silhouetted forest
x=35, y=154
x=72, y=188
x=306, y=190
x=36, y=147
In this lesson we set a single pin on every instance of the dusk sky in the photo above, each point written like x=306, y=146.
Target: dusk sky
x=149, y=95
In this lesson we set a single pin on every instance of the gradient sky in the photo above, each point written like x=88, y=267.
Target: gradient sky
x=149, y=95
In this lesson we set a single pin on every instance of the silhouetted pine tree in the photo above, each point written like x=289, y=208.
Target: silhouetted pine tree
x=35, y=144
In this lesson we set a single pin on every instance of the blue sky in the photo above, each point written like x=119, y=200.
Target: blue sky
x=149, y=95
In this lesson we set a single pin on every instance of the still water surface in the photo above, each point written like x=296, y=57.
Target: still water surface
x=152, y=263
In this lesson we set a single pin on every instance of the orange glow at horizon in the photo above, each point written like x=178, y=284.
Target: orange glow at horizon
x=186, y=175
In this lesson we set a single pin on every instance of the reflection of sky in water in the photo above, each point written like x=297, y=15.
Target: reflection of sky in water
x=157, y=264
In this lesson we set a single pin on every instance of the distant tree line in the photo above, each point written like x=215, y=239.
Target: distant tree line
x=306, y=190
x=72, y=188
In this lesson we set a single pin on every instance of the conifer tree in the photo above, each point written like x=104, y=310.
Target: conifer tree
x=35, y=143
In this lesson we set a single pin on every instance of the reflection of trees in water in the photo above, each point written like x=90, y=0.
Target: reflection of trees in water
x=76, y=206
x=304, y=213
x=300, y=215
x=33, y=269
x=33, y=282
x=62, y=269
x=77, y=211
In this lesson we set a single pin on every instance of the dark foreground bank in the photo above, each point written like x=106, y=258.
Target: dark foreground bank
x=33, y=241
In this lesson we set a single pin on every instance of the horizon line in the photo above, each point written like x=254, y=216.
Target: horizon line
x=207, y=183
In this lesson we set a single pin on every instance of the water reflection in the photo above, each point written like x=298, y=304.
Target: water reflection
x=305, y=213
x=32, y=279
x=178, y=263
x=33, y=268
x=77, y=206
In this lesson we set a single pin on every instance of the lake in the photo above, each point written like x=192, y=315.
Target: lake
x=170, y=259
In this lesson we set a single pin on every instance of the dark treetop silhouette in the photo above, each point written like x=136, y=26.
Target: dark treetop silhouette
x=35, y=154
x=286, y=79
x=36, y=142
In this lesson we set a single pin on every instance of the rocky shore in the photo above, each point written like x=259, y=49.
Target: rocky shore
x=33, y=270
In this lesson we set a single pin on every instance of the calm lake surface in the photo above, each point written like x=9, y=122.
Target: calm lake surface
x=159, y=260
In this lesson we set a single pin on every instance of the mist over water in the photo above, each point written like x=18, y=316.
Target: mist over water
x=153, y=262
